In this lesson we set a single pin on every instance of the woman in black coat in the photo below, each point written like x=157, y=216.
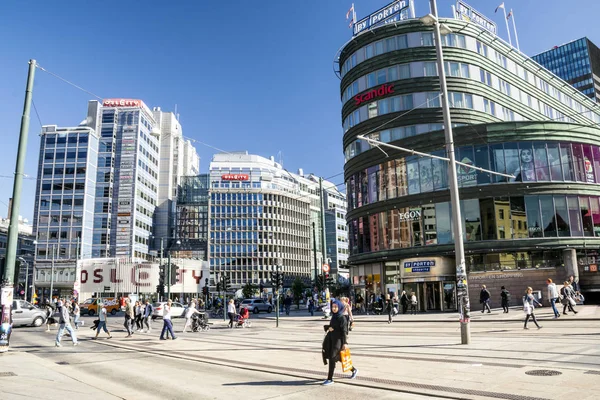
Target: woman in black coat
x=336, y=340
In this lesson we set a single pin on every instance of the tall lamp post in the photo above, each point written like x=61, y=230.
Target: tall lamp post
x=52, y=272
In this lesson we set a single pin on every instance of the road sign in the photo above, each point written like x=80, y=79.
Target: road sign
x=325, y=268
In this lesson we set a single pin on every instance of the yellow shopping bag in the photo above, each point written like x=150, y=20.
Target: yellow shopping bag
x=346, y=360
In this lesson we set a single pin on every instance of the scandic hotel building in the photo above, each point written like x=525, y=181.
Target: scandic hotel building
x=509, y=115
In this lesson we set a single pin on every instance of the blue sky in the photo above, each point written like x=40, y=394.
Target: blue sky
x=254, y=76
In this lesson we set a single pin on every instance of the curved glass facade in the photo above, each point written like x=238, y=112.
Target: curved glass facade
x=527, y=161
x=493, y=218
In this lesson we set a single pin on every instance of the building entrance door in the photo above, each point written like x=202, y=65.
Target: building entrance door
x=432, y=297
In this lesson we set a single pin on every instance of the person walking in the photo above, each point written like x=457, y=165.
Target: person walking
x=505, y=299
x=553, y=296
x=102, y=321
x=76, y=315
x=137, y=312
x=288, y=304
x=65, y=323
x=189, y=313
x=129, y=316
x=404, y=301
x=311, y=307
x=167, y=324
x=484, y=298
x=231, y=313
x=528, y=307
x=148, y=311
x=389, y=307
x=413, y=303
x=348, y=312
x=568, y=300
x=335, y=341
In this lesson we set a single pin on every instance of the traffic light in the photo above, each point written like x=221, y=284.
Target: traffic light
x=205, y=291
x=160, y=289
x=280, y=280
x=218, y=287
x=261, y=287
x=226, y=283
x=174, y=271
x=277, y=279
x=161, y=275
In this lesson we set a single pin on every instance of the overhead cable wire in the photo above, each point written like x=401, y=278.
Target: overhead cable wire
x=69, y=82
x=36, y=113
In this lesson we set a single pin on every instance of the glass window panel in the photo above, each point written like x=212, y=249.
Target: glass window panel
x=562, y=216
x=466, y=176
x=379, y=47
x=427, y=39
x=482, y=161
x=586, y=216
x=526, y=171
x=488, y=219
x=391, y=44
x=407, y=102
x=371, y=80
x=566, y=160
x=412, y=165
x=541, y=162
x=401, y=177
x=548, y=216
x=381, y=77
x=443, y=223
x=439, y=171
x=429, y=224
x=372, y=109
x=392, y=74
x=595, y=207
x=402, y=41
x=425, y=173
x=554, y=162
x=497, y=162
x=404, y=71
x=596, y=162
x=384, y=106
x=472, y=220
x=578, y=163
x=511, y=158
x=373, y=183
x=464, y=68
x=575, y=215
x=518, y=218
x=587, y=163
x=430, y=68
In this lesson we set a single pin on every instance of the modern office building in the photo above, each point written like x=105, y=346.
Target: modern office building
x=336, y=230
x=178, y=158
x=192, y=222
x=509, y=115
x=64, y=203
x=25, y=254
x=577, y=62
x=259, y=220
x=128, y=177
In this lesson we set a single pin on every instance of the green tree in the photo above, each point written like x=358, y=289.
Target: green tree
x=297, y=290
x=249, y=290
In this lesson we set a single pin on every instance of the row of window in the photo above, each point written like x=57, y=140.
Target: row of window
x=54, y=234
x=147, y=168
x=58, y=202
x=525, y=161
x=495, y=218
x=568, y=61
x=56, y=219
x=50, y=156
x=66, y=139
x=148, y=155
x=417, y=39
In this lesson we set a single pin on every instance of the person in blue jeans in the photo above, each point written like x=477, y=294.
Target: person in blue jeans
x=65, y=323
x=553, y=296
x=167, y=324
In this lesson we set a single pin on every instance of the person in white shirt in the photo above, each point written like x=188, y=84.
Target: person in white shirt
x=553, y=296
x=102, y=322
x=167, y=325
x=231, y=312
x=189, y=313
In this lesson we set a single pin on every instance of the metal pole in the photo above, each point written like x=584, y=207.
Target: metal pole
x=225, y=305
x=512, y=15
x=168, y=277
x=323, y=238
x=52, y=272
x=505, y=20
x=315, y=251
x=26, y=278
x=277, y=288
x=6, y=293
x=461, y=274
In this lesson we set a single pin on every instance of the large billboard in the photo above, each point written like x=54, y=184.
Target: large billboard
x=393, y=12
x=467, y=13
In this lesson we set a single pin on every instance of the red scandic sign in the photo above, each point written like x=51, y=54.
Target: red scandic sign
x=235, y=177
x=325, y=268
x=122, y=103
x=371, y=94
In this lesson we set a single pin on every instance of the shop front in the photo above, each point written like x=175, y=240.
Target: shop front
x=367, y=283
x=432, y=280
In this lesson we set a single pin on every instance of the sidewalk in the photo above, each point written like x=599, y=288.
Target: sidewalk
x=585, y=313
x=26, y=376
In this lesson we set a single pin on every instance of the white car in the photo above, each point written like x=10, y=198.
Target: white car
x=256, y=305
x=158, y=309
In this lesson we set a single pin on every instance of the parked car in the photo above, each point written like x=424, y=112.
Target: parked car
x=177, y=309
x=25, y=313
x=256, y=305
x=90, y=306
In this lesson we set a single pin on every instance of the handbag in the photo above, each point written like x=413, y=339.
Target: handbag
x=346, y=360
x=572, y=301
x=527, y=308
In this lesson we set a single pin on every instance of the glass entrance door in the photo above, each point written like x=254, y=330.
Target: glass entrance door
x=449, y=296
x=432, y=296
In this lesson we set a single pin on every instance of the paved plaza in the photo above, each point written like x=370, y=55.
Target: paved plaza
x=414, y=357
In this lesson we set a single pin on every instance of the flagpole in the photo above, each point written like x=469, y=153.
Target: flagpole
x=507, y=28
x=512, y=15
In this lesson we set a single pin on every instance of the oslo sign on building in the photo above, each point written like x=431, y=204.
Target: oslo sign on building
x=393, y=12
x=465, y=12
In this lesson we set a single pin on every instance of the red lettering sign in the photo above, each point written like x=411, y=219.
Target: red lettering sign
x=197, y=278
x=122, y=103
x=235, y=177
x=371, y=94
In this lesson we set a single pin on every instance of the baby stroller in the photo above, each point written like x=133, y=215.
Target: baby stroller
x=200, y=322
x=243, y=319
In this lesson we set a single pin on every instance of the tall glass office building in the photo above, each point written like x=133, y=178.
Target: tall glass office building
x=577, y=62
x=509, y=115
x=192, y=223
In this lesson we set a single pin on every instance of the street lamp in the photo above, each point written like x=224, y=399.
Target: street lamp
x=461, y=274
x=52, y=272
